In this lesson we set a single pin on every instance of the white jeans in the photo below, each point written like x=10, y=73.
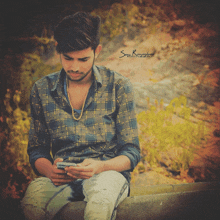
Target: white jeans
x=103, y=193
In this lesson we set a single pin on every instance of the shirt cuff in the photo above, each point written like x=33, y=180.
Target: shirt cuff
x=132, y=153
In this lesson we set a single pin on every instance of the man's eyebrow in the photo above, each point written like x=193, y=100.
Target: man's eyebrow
x=84, y=58
x=65, y=55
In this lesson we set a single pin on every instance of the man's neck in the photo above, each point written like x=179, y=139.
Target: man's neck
x=87, y=81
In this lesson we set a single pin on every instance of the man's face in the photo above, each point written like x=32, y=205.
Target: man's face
x=78, y=64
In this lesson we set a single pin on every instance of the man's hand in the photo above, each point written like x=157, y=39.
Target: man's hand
x=58, y=176
x=86, y=169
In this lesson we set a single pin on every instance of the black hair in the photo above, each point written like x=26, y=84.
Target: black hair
x=77, y=32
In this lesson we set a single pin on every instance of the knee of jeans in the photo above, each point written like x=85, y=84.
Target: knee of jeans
x=32, y=192
x=33, y=213
x=99, y=198
x=112, y=174
x=103, y=200
x=38, y=182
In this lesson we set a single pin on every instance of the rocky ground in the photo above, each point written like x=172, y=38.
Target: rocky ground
x=183, y=59
x=185, y=62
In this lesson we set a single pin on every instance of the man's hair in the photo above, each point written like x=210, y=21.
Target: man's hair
x=77, y=32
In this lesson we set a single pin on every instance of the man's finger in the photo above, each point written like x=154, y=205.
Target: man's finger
x=58, y=160
x=79, y=169
x=64, y=179
x=59, y=171
x=82, y=175
x=60, y=176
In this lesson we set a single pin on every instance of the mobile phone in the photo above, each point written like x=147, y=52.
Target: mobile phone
x=62, y=165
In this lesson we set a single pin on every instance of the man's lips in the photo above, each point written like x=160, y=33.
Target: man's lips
x=75, y=74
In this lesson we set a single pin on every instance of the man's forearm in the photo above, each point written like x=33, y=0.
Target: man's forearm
x=119, y=163
x=43, y=166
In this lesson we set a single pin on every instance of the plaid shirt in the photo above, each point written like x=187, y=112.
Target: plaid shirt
x=108, y=127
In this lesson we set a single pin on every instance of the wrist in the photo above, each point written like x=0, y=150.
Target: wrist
x=103, y=167
x=48, y=172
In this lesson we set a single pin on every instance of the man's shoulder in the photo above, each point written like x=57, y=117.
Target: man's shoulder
x=112, y=76
x=48, y=79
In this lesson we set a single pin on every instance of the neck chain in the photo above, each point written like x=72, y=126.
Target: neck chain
x=73, y=114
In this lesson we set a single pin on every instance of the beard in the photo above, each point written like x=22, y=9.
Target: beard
x=82, y=73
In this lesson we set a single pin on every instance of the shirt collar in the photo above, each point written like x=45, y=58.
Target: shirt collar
x=58, y=81
x=97, y=77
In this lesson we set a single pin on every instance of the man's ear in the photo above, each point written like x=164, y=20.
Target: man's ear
x=98, y=50
x=56, y=43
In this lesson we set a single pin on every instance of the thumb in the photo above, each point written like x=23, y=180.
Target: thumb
x=58, y=160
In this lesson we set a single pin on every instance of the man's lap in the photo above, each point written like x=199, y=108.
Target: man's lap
x=42, y=193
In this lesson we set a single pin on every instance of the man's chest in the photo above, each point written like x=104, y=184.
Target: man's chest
x=97, y=123
x=77, y=97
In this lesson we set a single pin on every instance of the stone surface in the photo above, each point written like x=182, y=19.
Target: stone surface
x=180, y=75
x=184, y=201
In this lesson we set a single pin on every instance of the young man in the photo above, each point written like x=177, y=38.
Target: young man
x=84, y=114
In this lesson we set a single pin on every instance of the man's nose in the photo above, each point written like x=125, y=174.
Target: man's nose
x=75, y=67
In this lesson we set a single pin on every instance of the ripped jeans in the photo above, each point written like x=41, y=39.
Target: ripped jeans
x=102, y=192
